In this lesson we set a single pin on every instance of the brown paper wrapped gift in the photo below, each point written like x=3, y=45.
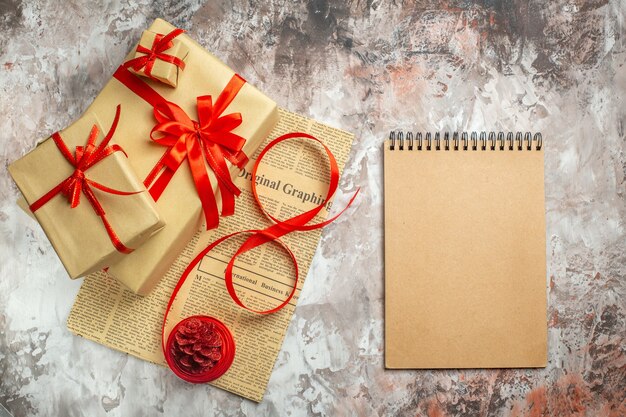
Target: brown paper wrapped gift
x=159, y=58
x=78, y=234
x=179, y=204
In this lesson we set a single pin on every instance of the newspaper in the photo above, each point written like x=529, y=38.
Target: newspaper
x=292, y=178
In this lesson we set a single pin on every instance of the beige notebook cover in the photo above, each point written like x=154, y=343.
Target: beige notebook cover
x=465, y=254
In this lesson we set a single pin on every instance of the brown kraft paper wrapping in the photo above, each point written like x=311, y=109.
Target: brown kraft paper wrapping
x=179, y=204
x=78, y=234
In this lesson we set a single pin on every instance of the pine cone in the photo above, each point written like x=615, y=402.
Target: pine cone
x=197, y=346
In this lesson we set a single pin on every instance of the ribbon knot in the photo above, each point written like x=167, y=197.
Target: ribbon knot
x=157, y=51
x=77, y=183
x=73, y=186
x=78, y=174
x=198, y=129
x=206, y=141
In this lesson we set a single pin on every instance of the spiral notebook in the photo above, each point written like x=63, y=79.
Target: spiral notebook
x=465, y=251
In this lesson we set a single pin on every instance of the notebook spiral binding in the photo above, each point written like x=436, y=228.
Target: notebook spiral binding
x=494, y=140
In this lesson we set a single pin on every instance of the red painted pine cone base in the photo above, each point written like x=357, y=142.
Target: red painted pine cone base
x=200, y=349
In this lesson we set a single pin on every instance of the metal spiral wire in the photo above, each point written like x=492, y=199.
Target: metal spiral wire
x=465, y=141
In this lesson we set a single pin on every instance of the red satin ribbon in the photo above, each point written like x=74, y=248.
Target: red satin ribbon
x=209, y=139
x=270, y=234
x=157, y=51
x=76, y=184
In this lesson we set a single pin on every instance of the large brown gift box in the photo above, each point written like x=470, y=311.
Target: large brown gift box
x=179, y=203
x=78, y=234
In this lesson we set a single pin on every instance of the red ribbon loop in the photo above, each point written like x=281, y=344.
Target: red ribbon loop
x=274, y=232
x=77, y=183
x=257, y=238
x=209, y=139
x=281, y=228
x=160, y=44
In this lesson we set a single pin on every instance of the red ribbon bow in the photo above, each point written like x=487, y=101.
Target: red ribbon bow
x=77, y=183
x=209, y=139
x=159, y=46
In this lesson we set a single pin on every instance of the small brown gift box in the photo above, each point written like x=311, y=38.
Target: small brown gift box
x=78, y=234
x=152, y=58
